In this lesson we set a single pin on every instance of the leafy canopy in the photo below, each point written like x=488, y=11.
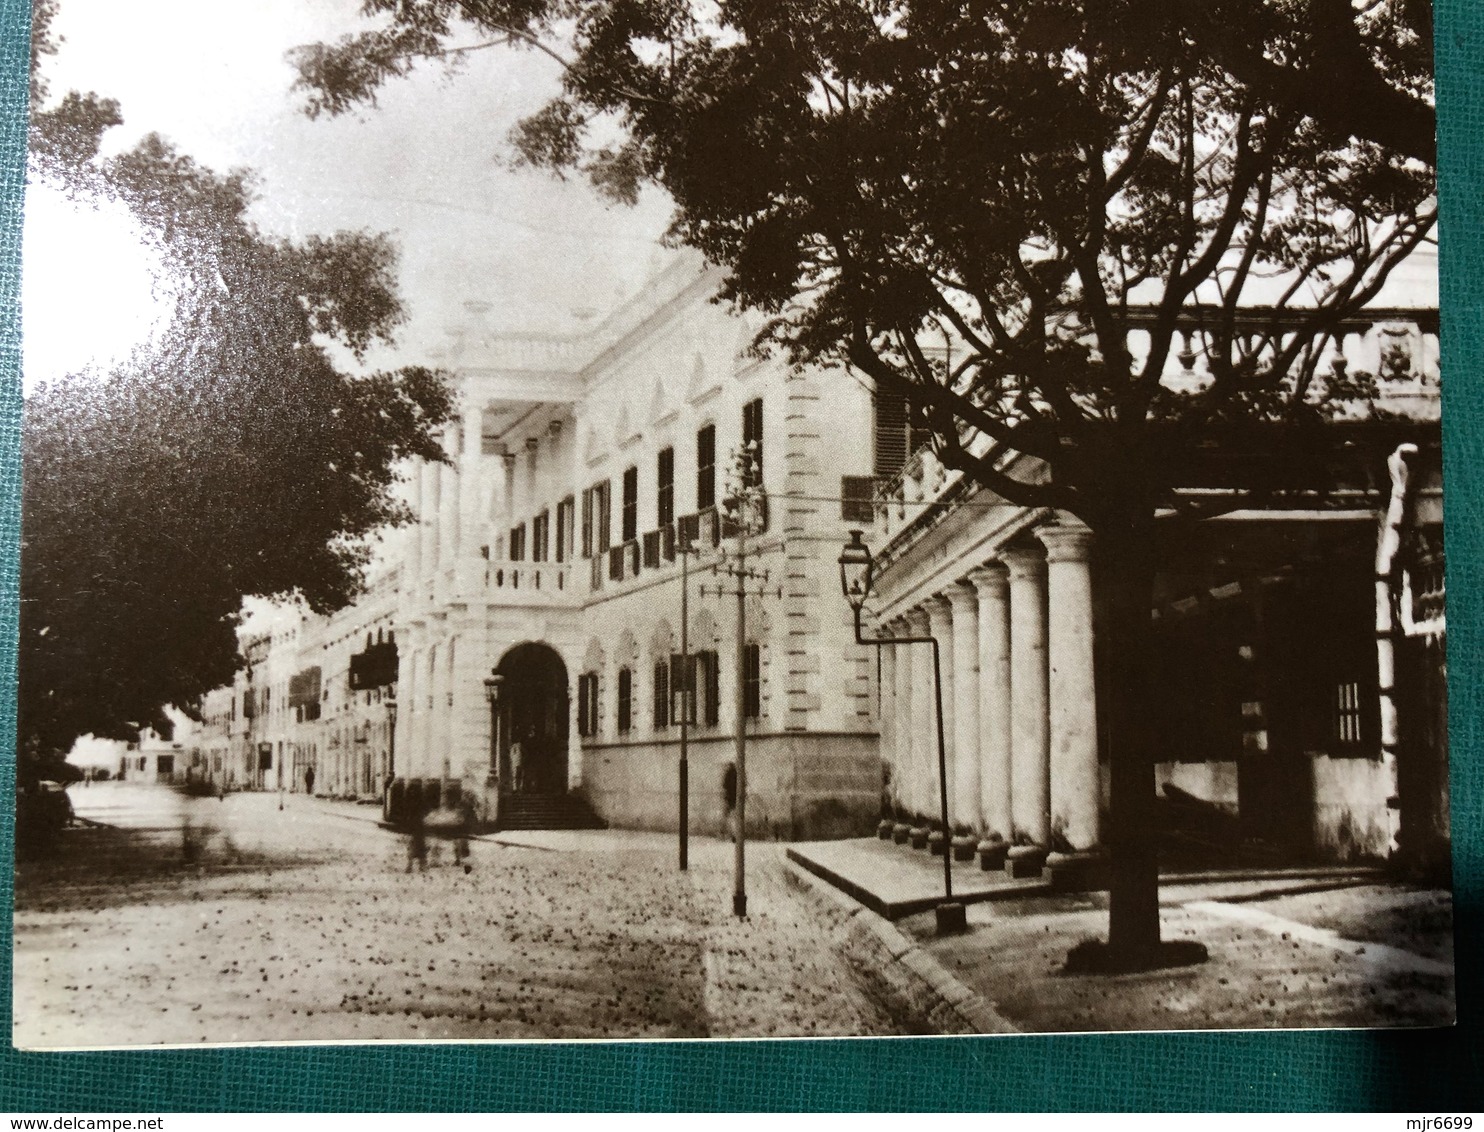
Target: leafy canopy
x=1015, y=214
x=239, y=453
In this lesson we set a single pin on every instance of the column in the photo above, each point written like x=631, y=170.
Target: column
x=924, y=770
x=414, y=557
x=1030, y=785
x=966, y=759
x=507, y=489
x=886, y=723
x=432, y=483
x=1075, y=783
x=940, y=623
x=993, y=585
x=906, y=780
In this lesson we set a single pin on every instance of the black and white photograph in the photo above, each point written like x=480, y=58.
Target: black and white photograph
x=720, y=519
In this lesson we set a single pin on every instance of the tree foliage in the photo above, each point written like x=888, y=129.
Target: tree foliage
x=238, y=453
x=1016, y=214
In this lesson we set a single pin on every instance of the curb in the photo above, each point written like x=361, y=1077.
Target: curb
x=877, y=947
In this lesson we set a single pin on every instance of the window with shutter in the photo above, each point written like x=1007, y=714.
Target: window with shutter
x=900, y=432
x=630, y=504
x=625, y=700
x=665, y=491
x=713, y=688
x=661, y=694
x=587, y=523
x=752, y=682
x=603, y=505
x=706, y=468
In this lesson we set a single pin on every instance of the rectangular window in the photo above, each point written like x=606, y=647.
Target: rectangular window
x=541, y=537
x=518, y=543
x=752, y=443
x=661, y=694
x=587, y=704
x=665, y=493
x=705, y=678
x=630, y=504
x=706, y=468
x=564, y=516
x=1348, y=732
x=752, y=682
x=603, y=515
x=900, y=432
x=625, y=700
x=682, y=705
x=587, y=522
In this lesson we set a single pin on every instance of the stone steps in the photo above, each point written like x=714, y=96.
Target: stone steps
x=546, y=811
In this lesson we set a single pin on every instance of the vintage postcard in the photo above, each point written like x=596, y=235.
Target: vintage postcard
x=590, y=520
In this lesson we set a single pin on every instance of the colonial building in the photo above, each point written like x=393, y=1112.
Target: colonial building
x=525, y=640
x=523, y=648
x=1285, y=729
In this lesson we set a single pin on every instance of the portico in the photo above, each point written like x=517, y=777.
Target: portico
x=1014, y=623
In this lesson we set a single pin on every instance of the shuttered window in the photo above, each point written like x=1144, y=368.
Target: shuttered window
x=706, y=468
x=661, y=694
x=625, y=700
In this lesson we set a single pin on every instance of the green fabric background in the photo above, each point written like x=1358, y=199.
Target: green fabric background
x=1431, y=1071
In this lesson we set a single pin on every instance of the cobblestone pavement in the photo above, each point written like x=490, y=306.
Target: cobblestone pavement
x=198, y=920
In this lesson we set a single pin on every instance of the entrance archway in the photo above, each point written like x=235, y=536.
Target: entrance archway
x=533, y=720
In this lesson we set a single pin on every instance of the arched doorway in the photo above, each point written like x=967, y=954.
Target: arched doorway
x=533, y=720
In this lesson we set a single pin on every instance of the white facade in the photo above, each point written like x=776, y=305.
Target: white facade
x=519, y=543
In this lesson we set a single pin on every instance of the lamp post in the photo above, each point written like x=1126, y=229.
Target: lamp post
x=492, y=684
x=856, y=574
x=391, y=752
x=685, y=702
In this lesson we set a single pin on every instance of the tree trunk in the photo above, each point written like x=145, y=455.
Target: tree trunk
x=1126, y=558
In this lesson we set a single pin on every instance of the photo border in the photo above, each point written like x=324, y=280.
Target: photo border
x=1437, y=1071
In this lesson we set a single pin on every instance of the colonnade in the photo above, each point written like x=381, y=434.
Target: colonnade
x=1015, y=640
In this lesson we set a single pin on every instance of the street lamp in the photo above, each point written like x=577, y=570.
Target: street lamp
x=391, y=751
x=492, y=684
x=857, y=571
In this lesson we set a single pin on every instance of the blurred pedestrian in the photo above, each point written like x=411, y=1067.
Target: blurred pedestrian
x=417, y=839
x=466, y=829
x=309, y=780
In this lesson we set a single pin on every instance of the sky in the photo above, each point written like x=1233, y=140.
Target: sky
x=425, y=165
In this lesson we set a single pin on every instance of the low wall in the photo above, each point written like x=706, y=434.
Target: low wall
x=799, y=786
x=1351, y=820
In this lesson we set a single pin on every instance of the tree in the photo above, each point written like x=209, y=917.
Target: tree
x=1014, y=215
x=237, y=454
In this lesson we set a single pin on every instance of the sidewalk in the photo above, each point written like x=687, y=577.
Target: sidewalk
x=1288, y=948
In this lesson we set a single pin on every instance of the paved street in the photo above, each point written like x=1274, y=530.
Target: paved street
x=185, y=921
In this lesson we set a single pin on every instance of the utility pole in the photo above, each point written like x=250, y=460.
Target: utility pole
x=747, y=502
x=686, y=701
